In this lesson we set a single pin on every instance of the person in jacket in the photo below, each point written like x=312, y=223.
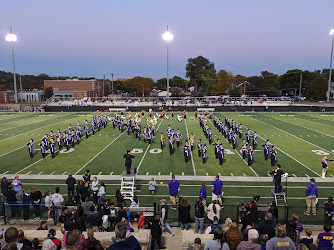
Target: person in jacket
x=213, y=210
x=95, y=189
x=267, y=226
x=12, y=237
x=329, y=210
x=311, y=194
x=128, y=161
x=217, y=242
x=156, y=232
x=253, y=237
x=184, y=213
x=4, y=188
x=70, y=181
x=52, y=236
x=280, y=241
x=120, y=198
x=123, y=242
x=35, y=198
x=233, y=236
x=152, y=186
x=199, y=216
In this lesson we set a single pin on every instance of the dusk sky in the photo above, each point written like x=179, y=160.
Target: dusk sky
x=92, y=38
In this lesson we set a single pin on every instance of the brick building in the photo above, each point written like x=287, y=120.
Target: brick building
x=7, y=96
x=77, y=88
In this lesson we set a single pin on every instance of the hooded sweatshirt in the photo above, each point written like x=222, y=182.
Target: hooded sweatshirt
x=248, y=245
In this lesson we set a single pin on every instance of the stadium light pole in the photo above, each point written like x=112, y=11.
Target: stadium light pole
x=331, y=32
x=12, y=38
x=167, y=36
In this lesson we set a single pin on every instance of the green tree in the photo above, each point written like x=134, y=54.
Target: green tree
x=224, y=82
x=317, y=88
x=135, y=85
x=235, y=92
x=48, y=92
x=196, y=68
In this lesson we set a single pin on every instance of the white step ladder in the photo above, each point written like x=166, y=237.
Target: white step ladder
x=128, y=185
x=279, y=196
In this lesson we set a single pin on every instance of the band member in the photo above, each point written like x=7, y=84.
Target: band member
x=186, y=152
x=248, y=135
x=324, y=165
x=199, y=147
x=171, y=145
x=235, y=137
x=178, y=137
x=266, y=150
x=244, y=149
x=210, y=136
x=30, y=148
x=52, y=148
x=204, y=156
x=221, y=154
x=172, y=115
x=162, y=140
x=59, y=139
x=46, y=141
x=273, y=155
x=240, y=131
x=217, y=145
x=72, y=138
x=67, y=142
x=254, y=140
x=191, y=141
x=128, y=161
x=77, y=135
x=42, y=145
x=86, y=130
x=250, y=153
x=277, y=175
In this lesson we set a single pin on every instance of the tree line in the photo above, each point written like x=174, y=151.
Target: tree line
x=204, y=79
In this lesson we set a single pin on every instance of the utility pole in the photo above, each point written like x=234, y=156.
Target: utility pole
x=112, y=85
x=300, y=85
x=104, y=77
x=21, y=89
x=245, y=82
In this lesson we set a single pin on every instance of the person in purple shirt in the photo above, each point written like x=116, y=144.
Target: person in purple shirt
x=217, y=186
x=173, y=186
x=202, y=194
x=17, y=187
x=311, y=194
x=324, y=240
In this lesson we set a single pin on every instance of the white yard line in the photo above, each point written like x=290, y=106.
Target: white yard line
x=141, y=161
x=304, y=127
x=237, y=152
x=37, y=129
x=99, y=153
x=285, y=152
x=292, y=135
x=24, y=125
x=191, y=154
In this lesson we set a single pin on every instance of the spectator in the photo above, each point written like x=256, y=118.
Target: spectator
x=245, y=232
x=70, y=201
x=69, y=223
x=4, y=188
x=48, y=203
x=70, y=181
x=23, y=239
x=81, y=222
x=329, y=210
x=325, y=239
x=308, y=240
x=202, y=194
x=44, y=225
x=217, y=186
x=228, y=223
x=119, y=198
x=86, y=205
x=92, y=218
x=173, y=186
x=95, y=189
x=213, y=210
x=35, y=244
x=82, y=191
x=48, y=244
x=311, y=194
x=281, y=241
x=74, y=240
x=299, y=226
x=273, y=210
x=10, y=246
x=184, y=213
x=11, y=199
x=57, y=199
x=233, y=236
x=35, y=198
x=217, y=242
x=11, y=237
x=215, y=225
x=267, y=226
x=199, y=216
x=17, y=186
x=264, y=239
x=92, y=243
x=156, y=232
x=253, y=237
x=164, y=216
x=63, y=217
x=292, y=232
x=141, y=221
x=121, y=242
x=197, y=245
x=152, y=186
x=102, y=192
x=86, y=178
x=113, y=215
x=26, y=201
x=51, y=236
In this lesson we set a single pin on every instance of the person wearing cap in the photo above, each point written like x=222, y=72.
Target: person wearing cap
x=51, y=236
x=253, y=237
x=311, y=194
x=164, y=216
x=217, y=186
x=215, y=225
x=178, y=137
x=204, y=153
x=266, y=149
x=128, y=161
x=277, y=175
x=273, y=155
x=173, y=186
x=254, y=140
x=199, y=147
x=186, y=151
x=30, y=145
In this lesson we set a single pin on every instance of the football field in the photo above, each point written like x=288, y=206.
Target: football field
x=301, y=139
